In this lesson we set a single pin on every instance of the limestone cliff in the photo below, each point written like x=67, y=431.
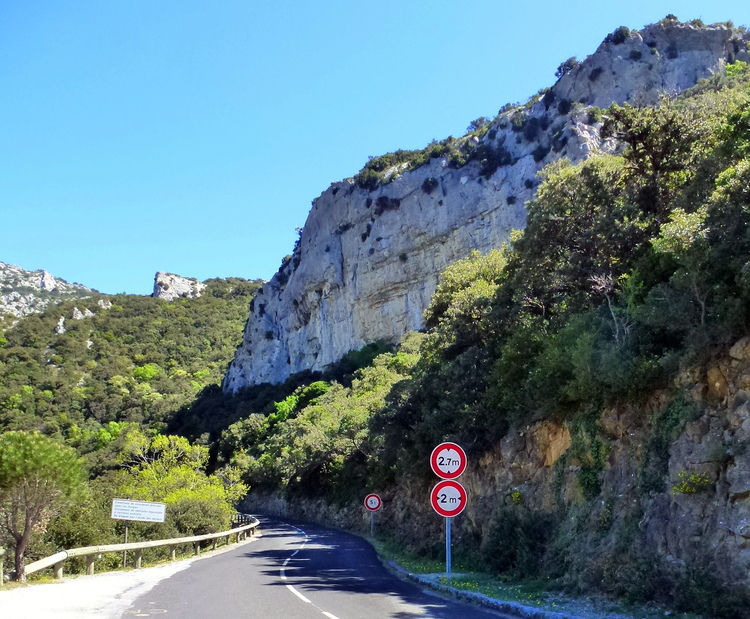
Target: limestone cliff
x=369, y=255
x=169, y=287
x=25, y=292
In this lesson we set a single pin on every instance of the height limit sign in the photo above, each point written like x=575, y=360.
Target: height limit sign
x=448, y=460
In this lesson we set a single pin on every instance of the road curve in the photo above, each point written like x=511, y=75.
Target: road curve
x=295, y=572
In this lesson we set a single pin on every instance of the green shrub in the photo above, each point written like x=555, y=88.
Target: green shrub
x=368, y=179
x=566, y=67
x=595, y=115
x=619, y=36
x=531, y=128
x=690, y=483
x=490, y=159
x=516, y=541
x=429, y=185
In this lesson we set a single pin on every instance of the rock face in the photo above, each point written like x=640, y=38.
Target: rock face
x=25, y=292
x=169, y=287
x=368, y=261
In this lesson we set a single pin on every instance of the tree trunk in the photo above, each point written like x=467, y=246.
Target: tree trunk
x=20, y=568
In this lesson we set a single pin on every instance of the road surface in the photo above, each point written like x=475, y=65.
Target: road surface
x=295, y=572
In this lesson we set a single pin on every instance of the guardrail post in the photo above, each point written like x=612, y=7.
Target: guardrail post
x=197, y=547
x=172, y=553
x=58, y=569
x=2, y=562
x=90, y=565
x=138, y=558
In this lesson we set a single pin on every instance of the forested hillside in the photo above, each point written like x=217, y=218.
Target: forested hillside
x=105, y=387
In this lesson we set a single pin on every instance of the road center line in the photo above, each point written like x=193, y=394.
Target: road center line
x=282, y=572
x=298, y=594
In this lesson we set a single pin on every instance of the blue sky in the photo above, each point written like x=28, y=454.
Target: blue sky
x=188, y=136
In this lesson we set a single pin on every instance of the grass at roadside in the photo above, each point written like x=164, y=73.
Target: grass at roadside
x=540, y=594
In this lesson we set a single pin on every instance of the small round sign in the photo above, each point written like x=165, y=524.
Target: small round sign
x=373, y=502
x=448, y=498
x=448, y=460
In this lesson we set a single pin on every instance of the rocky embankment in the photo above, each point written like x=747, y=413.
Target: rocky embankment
x=644, y=495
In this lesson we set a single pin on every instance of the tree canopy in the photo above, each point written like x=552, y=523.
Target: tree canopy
x=38, y=476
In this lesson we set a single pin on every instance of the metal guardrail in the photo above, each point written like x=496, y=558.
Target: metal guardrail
x=91, y=553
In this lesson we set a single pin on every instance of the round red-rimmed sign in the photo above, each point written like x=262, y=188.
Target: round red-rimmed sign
x=373, y=502
x=448, y=460
x=448, y=498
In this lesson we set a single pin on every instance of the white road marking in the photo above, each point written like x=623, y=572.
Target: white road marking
x=298, y=594
x=282, y=571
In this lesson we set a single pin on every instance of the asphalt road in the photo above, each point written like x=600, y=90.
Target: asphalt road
x=295, y=572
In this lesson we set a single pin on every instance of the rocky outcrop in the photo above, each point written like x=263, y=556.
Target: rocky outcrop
x=368, y=260
x=25, y=292
x=169, y=287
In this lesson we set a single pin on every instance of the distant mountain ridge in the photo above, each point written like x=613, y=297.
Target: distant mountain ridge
x=25, y=292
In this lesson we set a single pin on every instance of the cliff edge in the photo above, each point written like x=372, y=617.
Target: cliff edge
x=368, y=258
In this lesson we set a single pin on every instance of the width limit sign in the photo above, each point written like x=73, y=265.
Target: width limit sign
x=448, y=498
x=448, y=460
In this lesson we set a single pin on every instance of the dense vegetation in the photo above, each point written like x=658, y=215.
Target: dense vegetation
x=105, y=390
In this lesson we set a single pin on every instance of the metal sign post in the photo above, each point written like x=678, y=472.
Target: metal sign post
x=448, y=547
x=125, y=552
x=448, y=498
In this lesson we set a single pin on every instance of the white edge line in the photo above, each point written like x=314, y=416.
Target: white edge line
x=298, y=594
x=329, y=615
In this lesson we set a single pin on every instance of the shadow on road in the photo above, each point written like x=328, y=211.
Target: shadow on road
x=339, y=562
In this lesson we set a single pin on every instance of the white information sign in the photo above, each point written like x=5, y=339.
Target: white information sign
x=144, y=511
